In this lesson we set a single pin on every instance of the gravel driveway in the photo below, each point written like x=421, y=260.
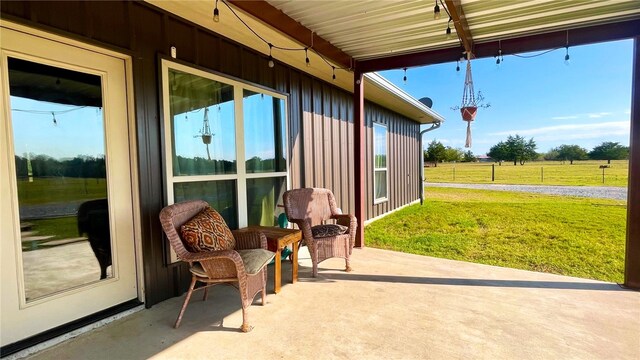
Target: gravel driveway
x=600, y=192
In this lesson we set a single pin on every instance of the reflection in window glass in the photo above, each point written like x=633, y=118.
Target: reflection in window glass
x=59, y=146
x=202, y=120
x=263, y=196
x=380, y=161
x=381, y=184
x=264, y=118
x=221, y=195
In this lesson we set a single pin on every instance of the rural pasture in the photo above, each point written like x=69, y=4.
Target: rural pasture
x=581, y=173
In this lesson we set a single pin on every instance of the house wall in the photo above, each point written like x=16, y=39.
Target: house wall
x=320, y=114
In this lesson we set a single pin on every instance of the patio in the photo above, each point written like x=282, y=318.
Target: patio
x=393, y=305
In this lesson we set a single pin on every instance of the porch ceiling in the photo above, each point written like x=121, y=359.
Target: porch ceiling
x=380, y=35
x=373, y=29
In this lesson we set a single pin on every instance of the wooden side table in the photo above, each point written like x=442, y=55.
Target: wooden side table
x=282, y=237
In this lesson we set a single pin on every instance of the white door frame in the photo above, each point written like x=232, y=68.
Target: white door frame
x=7, y=187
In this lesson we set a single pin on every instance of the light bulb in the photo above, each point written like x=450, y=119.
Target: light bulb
x=271, y=63
x=436, y=12
x=448, y=32
x=308, y=62
x=216, y=15
x=567, y=58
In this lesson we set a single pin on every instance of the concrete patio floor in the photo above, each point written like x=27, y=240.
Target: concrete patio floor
x=392, y=306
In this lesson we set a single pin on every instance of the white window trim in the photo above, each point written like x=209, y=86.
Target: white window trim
x=241, y=176
x=386, y=168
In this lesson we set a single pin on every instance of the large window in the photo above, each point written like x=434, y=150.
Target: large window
x=225, y=142
x=379, y=163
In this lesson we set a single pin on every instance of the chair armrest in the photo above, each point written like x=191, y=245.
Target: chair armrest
x=216, y=263
x=210, y=255
x=345, y=219
x=305, y=227
x=250, y=240
x=350, y=221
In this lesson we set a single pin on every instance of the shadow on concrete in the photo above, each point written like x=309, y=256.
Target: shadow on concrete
x=325, y=277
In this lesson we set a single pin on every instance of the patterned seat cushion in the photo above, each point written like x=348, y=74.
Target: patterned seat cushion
x=207, y=231
x=255, y=259
x=328, y=230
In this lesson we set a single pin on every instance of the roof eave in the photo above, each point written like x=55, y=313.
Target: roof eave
x=399, y=101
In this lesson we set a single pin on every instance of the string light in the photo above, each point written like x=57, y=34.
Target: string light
x=436, y=11
x=216, y=13
x=271, y=63
x=53, y=113
x=458, y=65
x=448, y=32
x=405, y=76
x=566, y=56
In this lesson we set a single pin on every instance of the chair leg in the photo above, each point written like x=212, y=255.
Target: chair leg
x=348, y=265
x=264, y=287
x=186, y=302
x=206, y=293
x=245, y=318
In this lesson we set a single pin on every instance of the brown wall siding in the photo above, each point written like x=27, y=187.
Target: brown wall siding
x=402, y=166
x=320, y=115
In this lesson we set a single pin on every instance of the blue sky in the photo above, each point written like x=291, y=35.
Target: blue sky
x=78, y=132
x=583, y=103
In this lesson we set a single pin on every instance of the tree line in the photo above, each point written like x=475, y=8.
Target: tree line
x=436, y=152
x=81, y=166
x=517, y=149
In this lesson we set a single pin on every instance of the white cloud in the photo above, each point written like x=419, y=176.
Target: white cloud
x=598, y=115
x=595, y=115
x=572, y=131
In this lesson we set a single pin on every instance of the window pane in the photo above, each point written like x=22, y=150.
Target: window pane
x=59, y=144
x=380, y=146
x=221, y=195
x=203, y=125
x=381, y=184
x=263, y=196
x=264, y=139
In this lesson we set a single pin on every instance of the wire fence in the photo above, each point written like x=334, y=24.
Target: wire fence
x=589, y=172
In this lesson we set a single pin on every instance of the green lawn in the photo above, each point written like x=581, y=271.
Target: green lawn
x=539, y=173
x=562, y=235
x=60, y=189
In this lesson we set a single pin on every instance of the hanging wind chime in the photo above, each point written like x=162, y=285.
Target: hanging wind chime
x=470, y=102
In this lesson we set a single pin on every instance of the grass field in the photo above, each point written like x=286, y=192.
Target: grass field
x=562, y=235
x=539, y=173
x=60, y=228
x=60, y=189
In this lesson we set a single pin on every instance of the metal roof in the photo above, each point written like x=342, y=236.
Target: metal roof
x=368, y=31
x=374, y=29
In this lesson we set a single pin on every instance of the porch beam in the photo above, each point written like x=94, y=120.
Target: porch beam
x=359, y=154
x=632, y=256
x=519, y=44
x=460, y=23
x=275, y=18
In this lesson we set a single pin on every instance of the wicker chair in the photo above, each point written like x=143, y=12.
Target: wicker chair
x=215, y=267
x=310, y=207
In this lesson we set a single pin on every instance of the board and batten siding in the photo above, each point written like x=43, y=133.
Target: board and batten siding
x=320, y=123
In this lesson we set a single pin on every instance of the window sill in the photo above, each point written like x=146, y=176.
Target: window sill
x=380, y=201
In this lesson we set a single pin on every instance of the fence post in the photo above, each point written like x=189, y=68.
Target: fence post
x=541, y=173
x=454, y=173
x=493, y=172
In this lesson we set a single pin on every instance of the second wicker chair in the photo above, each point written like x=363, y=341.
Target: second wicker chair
x=310, y=208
